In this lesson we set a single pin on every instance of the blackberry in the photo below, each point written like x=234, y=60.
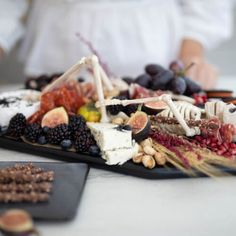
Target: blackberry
x=115, y=109
x=58, y=134
x=83, y=141
x=76, y=123
x=16, y=126
x=132, y=108
x=33, y=132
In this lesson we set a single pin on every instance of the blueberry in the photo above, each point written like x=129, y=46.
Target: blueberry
x=42, y=140
x=45, y=129
x=144, y=80
x=3, y=130
x=66, y=144
x=94, y=150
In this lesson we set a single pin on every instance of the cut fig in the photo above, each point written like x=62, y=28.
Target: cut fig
x=55, y=117
x=16, y=222
x=153, y=108
x=140, y=125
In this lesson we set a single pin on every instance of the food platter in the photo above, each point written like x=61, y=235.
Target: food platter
x=129, y=168
x=66, y=192
x=160, y=125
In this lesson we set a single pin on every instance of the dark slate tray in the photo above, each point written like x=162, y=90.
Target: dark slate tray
x=66, y=193
x=128, y=168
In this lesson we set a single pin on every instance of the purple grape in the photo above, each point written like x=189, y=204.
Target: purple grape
x=153, y=69
x=144, y=80
x=161, y=80
x=128, y=80
x=177, y=85
x=192, y=86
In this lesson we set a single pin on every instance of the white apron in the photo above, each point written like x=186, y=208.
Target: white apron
x=127, y=34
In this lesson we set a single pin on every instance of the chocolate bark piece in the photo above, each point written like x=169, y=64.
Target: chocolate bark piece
x=19, y=177
x=24, y=197
x=25, y=183
x=44, y=187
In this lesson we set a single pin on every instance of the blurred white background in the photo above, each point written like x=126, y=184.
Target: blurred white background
x=224, y=57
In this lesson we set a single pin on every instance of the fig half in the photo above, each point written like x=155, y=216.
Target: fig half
x=55, y=117
x=140, y=125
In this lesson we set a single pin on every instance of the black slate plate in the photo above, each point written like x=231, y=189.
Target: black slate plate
x=128, y=168
x=66, y=193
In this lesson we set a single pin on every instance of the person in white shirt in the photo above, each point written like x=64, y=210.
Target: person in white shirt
x=127, y=33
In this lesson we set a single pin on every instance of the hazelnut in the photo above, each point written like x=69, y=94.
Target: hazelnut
x=138, y=158
x=148, y=161
x=160, y=158
x=149, y=150
x=118, y=121
x=140, y=148
x=147, y=142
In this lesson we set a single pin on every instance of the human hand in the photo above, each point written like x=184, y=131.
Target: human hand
x=202, y=72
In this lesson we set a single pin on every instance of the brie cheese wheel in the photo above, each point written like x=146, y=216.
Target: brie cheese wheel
x=21, y=101
x=229, y=116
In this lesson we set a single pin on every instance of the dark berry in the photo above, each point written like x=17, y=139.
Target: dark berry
x=66, y=144
x=161, y=79
x=94, y=150
x=144, y=80
x=76, y=123
x=128, y=80
x=115, y=109
x=59, y=133
x=45, y=129
x=192, y=87
x=153, y=69
x=16, y=126
x=129, y=109
x=42, y=140
x=32, y=132
x=177, y=85
x=3, y=130
x=83, y=141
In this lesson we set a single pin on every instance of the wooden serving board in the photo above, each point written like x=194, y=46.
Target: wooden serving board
x=128, y=168
x=66, y=192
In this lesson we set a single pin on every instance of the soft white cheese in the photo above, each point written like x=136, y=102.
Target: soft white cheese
x=20, y=101
x=120, y=156
x=109, y=138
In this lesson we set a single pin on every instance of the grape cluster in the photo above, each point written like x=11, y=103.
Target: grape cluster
x=157, y=77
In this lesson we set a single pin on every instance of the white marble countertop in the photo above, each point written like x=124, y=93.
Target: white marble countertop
x=114, y=204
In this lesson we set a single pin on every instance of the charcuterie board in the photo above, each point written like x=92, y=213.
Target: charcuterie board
x=129, y=168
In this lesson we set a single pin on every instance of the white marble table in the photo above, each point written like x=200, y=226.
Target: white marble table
x=114, y=204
